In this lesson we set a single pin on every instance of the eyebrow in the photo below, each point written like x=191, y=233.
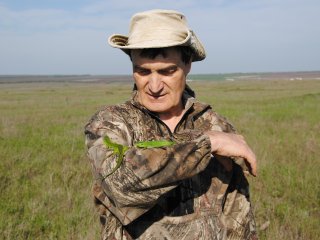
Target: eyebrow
x=137, y=67
x=171, y=67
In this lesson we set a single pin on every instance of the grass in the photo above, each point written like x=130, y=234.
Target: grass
x=45, y=178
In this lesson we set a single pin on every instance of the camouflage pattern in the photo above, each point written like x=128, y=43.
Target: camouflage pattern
x=175, y=192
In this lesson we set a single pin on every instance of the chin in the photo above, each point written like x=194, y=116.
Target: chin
x=157, y=109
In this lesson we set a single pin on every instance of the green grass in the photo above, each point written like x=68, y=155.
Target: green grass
x=45, y=177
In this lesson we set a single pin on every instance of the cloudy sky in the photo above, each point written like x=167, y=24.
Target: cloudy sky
x=69, y=36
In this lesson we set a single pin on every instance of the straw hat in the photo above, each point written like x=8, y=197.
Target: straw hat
x=158, y=29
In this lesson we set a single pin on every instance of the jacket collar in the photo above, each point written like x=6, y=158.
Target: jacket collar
x=188, y=99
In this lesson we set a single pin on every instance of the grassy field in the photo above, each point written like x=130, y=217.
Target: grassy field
x=45, y=178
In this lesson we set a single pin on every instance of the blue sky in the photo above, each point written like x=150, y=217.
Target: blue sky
x=70, y=36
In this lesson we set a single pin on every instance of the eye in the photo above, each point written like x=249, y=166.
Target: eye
x=168, y=71
x=142, y=71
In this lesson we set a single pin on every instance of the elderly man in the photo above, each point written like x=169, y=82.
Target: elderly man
x=167, y=166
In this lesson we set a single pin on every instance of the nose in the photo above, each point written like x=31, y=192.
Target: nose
x=155, y=84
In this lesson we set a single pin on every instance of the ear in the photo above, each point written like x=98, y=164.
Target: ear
x=135, y=87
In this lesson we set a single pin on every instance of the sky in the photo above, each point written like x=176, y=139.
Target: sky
x=70, y=36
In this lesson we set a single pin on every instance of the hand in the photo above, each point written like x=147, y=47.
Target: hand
x=232, y=145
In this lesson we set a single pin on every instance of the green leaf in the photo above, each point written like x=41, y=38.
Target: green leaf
x=154, y=144
x=118, y=150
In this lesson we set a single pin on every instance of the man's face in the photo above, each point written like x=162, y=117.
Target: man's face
x=160, y=81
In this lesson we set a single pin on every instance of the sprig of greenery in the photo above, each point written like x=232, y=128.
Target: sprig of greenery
x=119, y=150
x=154, y=144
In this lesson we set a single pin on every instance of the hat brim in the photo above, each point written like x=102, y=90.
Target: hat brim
x=121, y=41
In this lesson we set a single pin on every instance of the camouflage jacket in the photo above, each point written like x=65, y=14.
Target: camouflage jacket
x=173, y=192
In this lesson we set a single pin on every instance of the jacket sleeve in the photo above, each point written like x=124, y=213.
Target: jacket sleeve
x=145, y=173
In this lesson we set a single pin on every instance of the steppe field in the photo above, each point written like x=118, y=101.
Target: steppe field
x=45, y=177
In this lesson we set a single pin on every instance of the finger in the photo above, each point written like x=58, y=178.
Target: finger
x=252, y=164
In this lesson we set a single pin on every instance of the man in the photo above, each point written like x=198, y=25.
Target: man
x=167, y=166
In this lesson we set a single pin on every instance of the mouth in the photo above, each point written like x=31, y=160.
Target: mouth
x=156, y=96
